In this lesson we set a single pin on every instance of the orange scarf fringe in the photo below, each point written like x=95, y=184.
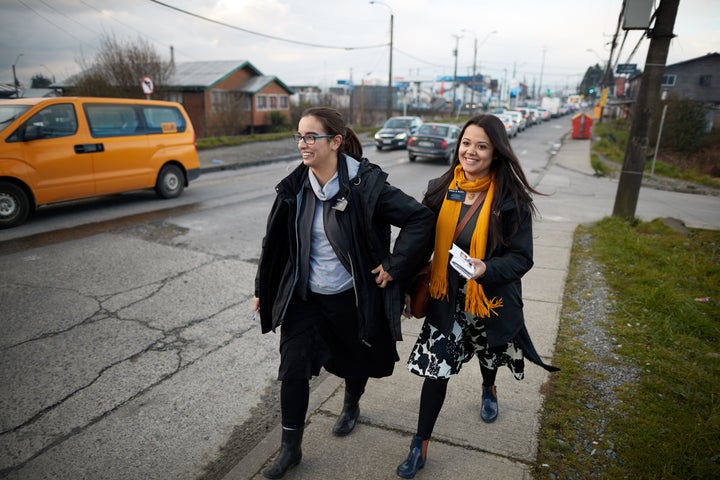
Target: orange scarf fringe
x=475, y=300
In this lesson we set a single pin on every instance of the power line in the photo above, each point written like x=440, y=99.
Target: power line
x=51, y=22
x=142, y=34
x=264, y=35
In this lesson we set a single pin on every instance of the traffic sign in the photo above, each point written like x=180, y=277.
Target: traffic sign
x=626, y=68
x=147, y=85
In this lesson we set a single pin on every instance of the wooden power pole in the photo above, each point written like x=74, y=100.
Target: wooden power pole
x=645, y=110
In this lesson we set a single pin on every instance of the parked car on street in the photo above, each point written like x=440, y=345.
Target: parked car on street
x=519, y=119
x=434, y=140
x=544, y=114
x=528, y=114
x=67, y=148
x=511, y=127
x=537, y=117
x=396, y=131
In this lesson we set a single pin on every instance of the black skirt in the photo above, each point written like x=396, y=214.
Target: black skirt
x=322, y=331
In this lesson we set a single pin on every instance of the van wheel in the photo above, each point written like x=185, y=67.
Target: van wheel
x=170, y=182
x=14, y=205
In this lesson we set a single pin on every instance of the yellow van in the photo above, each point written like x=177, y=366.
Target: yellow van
x=67, y=148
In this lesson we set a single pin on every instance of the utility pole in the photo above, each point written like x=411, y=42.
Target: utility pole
x=542, y=69
x=472, y=88
x=455, y=53
x=605, y=81
x=645, y=109
x=390, y=90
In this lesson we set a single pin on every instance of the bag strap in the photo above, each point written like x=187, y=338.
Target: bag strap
x=466, y=218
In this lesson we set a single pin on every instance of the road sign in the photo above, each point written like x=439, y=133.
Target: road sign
x=626, y=68
x=147, y=85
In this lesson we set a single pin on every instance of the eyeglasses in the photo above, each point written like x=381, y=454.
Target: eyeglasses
x=309, y=139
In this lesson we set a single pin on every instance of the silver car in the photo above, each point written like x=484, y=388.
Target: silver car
x=396, y=131
x=518, y=118
x=435, y=140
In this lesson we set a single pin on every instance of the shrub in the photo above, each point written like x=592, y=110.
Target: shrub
x=684, y=125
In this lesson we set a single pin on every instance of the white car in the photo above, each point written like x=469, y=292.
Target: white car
x=511, y=127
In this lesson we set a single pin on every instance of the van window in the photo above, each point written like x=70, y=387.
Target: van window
x=124, y=120
x=112, y=120
x=8, y=114
x=51, y=122
x=163, y=119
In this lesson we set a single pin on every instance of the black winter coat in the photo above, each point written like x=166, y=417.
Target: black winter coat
x=373, y=206
x=506, y=265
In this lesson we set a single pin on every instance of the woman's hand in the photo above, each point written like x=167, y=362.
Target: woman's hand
x=480, y=268
x=407, y=313
x=382, y=278
x=256, y=308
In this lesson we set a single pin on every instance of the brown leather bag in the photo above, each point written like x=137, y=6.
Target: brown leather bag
x=420, y=292
x=420, y=288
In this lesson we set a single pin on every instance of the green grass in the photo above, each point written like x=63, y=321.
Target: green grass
x=667, y=422
x=228, y=141
x=611, y=143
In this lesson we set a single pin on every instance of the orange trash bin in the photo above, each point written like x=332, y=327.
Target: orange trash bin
x=581, y=125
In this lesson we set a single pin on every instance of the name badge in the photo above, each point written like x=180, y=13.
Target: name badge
x=456, y=195
x=340, y=204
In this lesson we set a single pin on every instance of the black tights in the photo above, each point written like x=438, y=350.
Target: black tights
x=488, y=375
x=295, y=396
x=432, y=398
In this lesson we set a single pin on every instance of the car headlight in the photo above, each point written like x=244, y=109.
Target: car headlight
x=401, y=136
x=377, y=136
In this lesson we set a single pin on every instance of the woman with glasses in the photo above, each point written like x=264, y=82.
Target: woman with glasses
x=328, y=277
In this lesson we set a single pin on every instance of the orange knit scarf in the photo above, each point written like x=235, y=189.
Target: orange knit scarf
x=475, y=300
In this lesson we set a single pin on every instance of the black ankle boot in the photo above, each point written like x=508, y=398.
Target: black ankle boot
x=416, y=458
x=489, y=409
x=289, y=456
x=345, y=423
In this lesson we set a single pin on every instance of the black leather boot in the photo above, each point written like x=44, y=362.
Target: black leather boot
x=489, y=409
x=416, y=458
x=345, y=423
x=289, y=456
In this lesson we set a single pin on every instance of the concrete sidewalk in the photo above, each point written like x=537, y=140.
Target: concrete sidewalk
x=463, y=447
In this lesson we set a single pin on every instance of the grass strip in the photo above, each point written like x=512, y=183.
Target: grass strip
x=639, y=348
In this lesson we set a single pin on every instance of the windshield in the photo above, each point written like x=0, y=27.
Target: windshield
x=8, y=113
x=397, y=123
x=438, y=130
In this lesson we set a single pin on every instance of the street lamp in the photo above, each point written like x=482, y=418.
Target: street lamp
x=15, y=80
x=389, y=89
x=475, y=49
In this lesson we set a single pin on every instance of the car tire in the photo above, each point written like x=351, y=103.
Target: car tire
x=14, y=205
x=412, y=157
x=170, y=182
x=378, y=147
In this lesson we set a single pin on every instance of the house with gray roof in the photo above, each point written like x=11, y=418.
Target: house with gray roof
x=222, y=97
x=227, y=97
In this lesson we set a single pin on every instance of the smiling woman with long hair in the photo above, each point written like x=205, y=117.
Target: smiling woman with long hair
x=483, y=205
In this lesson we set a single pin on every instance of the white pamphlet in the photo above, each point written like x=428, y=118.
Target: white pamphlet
x=460, y=261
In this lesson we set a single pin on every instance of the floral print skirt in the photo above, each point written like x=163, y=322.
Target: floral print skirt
x=436, y=355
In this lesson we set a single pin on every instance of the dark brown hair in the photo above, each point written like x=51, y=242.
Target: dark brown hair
x=334, y=124
x=510, y=180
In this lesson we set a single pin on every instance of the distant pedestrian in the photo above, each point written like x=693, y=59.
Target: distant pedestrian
x=483, y=315
x=327, y=275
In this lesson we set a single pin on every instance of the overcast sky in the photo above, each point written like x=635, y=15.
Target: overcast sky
x=548, y=38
